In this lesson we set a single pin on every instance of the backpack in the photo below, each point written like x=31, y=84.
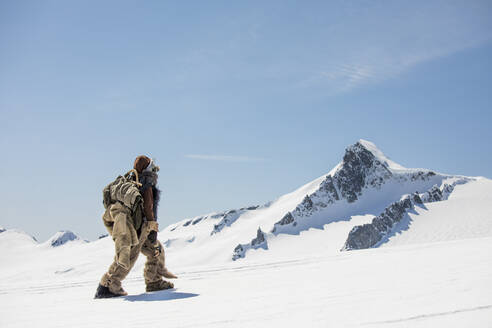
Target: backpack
x=124, y=189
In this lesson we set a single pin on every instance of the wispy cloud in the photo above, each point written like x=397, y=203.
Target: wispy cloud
x=225, y=158
x=333, y=47
x=382, y=44
x=365, y=69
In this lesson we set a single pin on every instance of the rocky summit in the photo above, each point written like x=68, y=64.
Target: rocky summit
x=61, y=238
x=363, y=202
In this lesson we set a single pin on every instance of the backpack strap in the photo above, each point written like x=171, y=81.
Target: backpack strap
x=128, y=175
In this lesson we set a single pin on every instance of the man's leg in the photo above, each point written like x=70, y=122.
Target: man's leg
x=127, y=251
x=155, y=268
x=116, y=273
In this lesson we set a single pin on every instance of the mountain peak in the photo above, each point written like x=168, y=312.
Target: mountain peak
x=363, y=165
x=61, y=238
x=362, y=146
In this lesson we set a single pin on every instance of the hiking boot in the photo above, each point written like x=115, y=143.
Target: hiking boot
x=158, y=285
x=105, y=292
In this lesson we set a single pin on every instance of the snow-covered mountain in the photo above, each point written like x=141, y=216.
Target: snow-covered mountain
x=422, y=239
x=358, y=204
x=15, y=237
x=62, y=237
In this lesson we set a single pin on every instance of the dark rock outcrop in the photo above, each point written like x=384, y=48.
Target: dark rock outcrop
x=359, y=168
x=229, y=217
x=258, y=242
x=197, y=220
x=368, y=235
x=328, y=187
x=371, y=234
x=62, y=237
x=287, y=219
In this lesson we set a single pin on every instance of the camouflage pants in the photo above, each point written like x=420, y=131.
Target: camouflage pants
x=128, y=245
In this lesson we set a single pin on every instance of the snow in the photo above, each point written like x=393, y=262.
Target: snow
x=14, y=239
x=433, y=269
x=439, y=284
x=466, y=214
x=61, y=238
x=381, y=156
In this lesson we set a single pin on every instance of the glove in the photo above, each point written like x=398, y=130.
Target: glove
x=153, y=226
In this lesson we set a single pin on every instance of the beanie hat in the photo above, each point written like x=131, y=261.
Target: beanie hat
x=141, y=163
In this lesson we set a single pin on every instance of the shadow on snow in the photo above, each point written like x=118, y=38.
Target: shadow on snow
x=165, y=295
x=401, y=226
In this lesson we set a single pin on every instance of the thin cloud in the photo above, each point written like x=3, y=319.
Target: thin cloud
x=380, y=45
x=365, y=69
x=225, y=158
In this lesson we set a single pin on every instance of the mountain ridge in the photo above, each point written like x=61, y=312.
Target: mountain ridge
x=365, y=182
x=360, y=203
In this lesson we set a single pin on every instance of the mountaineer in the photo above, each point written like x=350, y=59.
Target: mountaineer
x=131, y=219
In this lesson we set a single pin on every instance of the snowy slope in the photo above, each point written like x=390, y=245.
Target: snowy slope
x=466, y=214
x=14, y=239
x=446, y=284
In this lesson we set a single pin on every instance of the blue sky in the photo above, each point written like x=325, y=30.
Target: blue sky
x=239, y=102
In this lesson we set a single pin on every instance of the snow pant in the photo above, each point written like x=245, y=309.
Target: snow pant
x=128, y=245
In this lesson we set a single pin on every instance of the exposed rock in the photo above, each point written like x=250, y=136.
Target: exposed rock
x=197, y=220
x=62, y=237
x=306, y=205
x=218, y=215
x=103, y=236
x=433, y=195
x=258, y=242
x=329, y=187
x=359, y=169
x=287, y=219
x=421, y=175
x=228, y=219
x=416, y=198
x=260, y=238
x=370, y=234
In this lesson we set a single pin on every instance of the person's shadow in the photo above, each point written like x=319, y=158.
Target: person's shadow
x=164, y=295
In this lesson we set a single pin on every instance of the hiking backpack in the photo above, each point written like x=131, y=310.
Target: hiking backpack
x=124, y=189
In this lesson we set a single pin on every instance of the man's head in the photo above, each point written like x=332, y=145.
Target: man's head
x=144, y=163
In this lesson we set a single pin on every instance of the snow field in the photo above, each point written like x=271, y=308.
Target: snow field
x=424, y=285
